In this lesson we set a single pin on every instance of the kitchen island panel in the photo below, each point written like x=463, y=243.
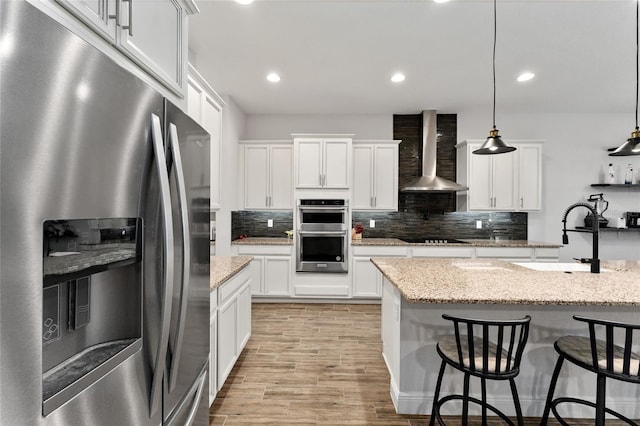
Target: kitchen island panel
x=410, y=332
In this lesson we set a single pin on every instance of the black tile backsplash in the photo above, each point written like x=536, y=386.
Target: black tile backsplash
x=254, y=223
x=457, y=225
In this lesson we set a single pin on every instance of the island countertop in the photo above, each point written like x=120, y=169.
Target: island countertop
x=225, y=267
x=492, y=281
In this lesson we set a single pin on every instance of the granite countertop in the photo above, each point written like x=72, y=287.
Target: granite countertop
x=264, y=241
x=466, y=243
x=492, y=281
x=225, y=267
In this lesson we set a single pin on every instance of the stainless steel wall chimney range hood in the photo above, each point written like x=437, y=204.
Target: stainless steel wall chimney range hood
x=429, y=182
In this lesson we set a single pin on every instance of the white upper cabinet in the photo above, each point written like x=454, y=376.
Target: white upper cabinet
x=530, y=179
x=205, y=106
x=375, y=175
x=322, y=162
x=501, y=182
x=266, y=174
x=153, y=33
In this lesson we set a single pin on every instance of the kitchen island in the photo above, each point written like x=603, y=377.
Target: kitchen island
x=416, y=292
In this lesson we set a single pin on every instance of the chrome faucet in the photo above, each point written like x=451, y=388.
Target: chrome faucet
x=595, y=230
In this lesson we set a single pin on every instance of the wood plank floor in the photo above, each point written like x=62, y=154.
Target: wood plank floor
x=315, y=364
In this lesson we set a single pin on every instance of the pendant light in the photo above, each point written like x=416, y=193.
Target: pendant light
x=632, y=145
x=494, y=143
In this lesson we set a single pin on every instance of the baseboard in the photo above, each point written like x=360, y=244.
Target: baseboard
x=421, y=403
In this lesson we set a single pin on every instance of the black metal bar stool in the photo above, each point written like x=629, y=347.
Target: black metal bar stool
x=488, y=349
x=608, y=353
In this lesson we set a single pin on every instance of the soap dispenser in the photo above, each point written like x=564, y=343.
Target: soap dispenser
x=628, y=176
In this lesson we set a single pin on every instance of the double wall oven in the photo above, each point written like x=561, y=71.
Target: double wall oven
x=323, y=235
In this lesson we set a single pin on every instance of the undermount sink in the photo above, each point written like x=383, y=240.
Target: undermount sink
x=558, y=266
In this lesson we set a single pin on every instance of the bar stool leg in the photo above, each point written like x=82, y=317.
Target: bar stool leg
x=516, y=402
x=483, y=384
x=600, y=399
x=465, y=400
x=437, y=394
x=552, y=388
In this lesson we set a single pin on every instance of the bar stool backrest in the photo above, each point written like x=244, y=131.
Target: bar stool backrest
x=612, y=348
x=493, y=347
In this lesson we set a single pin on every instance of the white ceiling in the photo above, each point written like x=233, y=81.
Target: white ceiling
x=337, y=57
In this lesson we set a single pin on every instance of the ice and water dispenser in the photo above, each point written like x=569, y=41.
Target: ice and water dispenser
x=92, y=302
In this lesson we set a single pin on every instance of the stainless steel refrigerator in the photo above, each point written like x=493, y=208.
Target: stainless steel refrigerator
x=104, y=249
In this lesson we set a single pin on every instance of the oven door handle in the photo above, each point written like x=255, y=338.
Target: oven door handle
x=322, y=232
x=328, y=209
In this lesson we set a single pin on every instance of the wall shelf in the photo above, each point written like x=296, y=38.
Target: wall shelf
x=615, y=185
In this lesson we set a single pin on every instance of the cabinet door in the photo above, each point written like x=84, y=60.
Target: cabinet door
x=363, y=171
x=480, y=192
x=155, y=38
x=227, y=339
x=277, y=273
x=366, y=278
x=308, y=163
x=530, y=179
x=336, y=164
x=281, y=183
x=256, y=180
x=95, y=14
x=213, y=351
x=385, y=196
x=244, y=317
x=504, y=181
x=212, y=123
x=255, y=270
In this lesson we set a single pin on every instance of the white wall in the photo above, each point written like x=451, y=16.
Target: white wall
x=233, y=128
x=575, y=156
x=282, y=126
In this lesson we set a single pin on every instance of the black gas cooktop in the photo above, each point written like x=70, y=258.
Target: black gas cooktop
x=432, y=240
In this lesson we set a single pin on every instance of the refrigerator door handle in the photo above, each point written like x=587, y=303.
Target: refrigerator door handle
x=186, y=260
x=196, y=401
x=165, y=316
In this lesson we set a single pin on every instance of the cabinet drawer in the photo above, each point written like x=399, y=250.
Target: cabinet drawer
x=504, y=252
x=264, y=250
x=380, y=251
x=463, y=252
x=547, y=253
x=231, y=287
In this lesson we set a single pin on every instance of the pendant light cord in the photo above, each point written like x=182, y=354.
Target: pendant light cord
x=495, y=34
x=637, y=51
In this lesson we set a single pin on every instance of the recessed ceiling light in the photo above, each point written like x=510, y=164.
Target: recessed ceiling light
x=440, y=1
x=397, y=77
x=244, y=1
x=273, y=77
x=525, y=76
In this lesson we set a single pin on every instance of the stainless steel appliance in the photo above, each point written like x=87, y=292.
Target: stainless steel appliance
x=323, y=235
x=632, y=219
x=104, y=291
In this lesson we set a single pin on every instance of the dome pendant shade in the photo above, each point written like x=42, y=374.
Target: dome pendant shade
x=494, y=145
x=630, y=147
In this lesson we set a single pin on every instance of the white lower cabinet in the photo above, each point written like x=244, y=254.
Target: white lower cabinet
x=367, y=280
x=213, y=348
x=271, y=269
x=233, y=322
